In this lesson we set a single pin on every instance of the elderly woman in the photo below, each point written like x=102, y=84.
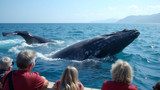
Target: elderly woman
x=5, y=66
x=122, y=75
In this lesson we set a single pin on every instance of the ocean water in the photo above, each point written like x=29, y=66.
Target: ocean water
x=143, y=54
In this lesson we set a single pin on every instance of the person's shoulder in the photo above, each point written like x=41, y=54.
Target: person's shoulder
x=132, y=87
x=80, y=84
x=57, y=84
x=33, y=73
x=107, y=82
x=106, y=85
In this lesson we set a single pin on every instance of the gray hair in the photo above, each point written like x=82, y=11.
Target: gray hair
x=5, y=63
x=25, y=58
x=122, y=72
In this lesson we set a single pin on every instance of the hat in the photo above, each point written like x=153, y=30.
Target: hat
x=5, y=63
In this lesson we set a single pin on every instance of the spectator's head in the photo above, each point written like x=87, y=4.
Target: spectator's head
x=156, y=86
x=122, y=72
x=26, y=59
x=70, y=74
x=6, y=63
x=69, y=79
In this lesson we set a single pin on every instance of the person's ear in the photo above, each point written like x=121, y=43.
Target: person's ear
x=30, y=67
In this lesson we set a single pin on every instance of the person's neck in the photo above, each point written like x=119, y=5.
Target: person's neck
x=24, y=69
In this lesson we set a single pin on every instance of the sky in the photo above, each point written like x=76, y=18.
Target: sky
x=73, y=11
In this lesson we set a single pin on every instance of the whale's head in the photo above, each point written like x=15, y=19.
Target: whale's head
x=125, y=37
x=131, y=34
x=116, y=42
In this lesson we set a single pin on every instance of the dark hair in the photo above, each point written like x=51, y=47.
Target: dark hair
x=156, y=86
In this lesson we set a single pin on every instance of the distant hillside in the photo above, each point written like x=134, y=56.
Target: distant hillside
x=154, y=18
x=113, y=20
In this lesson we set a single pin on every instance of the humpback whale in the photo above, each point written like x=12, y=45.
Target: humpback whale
x=30, y=39
x=99, y=46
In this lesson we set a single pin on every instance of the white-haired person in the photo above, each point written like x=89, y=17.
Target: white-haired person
x=69, y=80
x=23, y=79
x=122, y=75
x=5, y=66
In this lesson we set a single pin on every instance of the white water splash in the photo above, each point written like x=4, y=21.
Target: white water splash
x=58, y=42
x=44, y=57
x=23, y=45
x=152, y=46
x=11, y=41
x=18, y=48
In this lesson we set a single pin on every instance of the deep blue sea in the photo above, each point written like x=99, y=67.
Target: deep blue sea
x=143, y=54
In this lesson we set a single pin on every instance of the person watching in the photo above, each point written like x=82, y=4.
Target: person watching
x=69, y=80
x=5, y=66
x=122, y=75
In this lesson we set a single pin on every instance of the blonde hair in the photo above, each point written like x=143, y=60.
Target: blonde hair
x=122, y=72
x=69, y=79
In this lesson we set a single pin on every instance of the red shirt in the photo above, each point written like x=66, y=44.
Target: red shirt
x=112, y=85
x=24, y=80
x=56, y=85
